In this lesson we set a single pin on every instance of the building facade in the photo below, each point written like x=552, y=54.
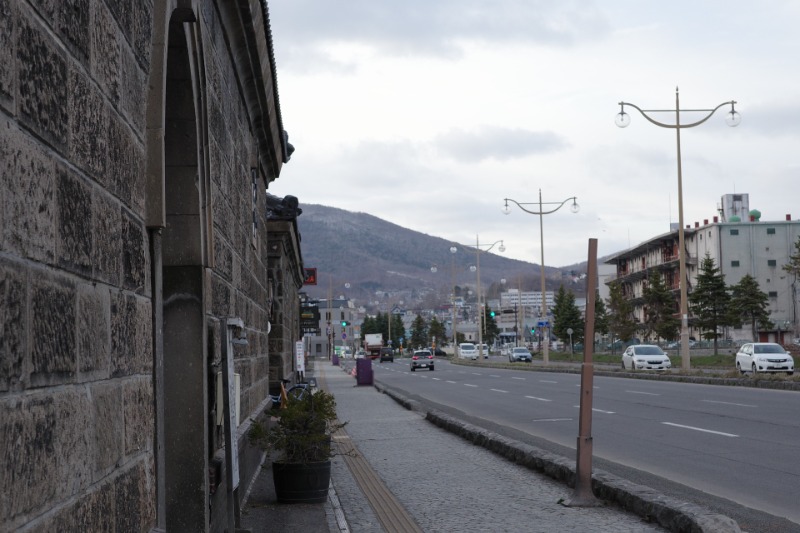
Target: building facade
x=740, y=243
x=137, y=140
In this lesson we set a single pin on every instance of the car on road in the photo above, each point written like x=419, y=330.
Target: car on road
x=387, y=354
x=758, y=357
x=467, y=350
x=437, y=351
x=484, y=348
x=520, y=353
x=645, y=357
x=422, y=359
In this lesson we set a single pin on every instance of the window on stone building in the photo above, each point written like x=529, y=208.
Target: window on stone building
x=734, y=232
x=770, y=231
x=773, y=294
x=734, y=263
x=772, y=262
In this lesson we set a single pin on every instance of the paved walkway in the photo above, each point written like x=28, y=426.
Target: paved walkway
x=409, y=475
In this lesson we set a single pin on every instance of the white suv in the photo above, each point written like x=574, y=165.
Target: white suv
x=764, y=357
x=467, y=350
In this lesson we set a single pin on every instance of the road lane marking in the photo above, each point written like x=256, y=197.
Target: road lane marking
x=700, y=429
x=515, y=377
x=551, y=419
x=540, y=399
x=493, y=376
x=640, y=392
x=730, y=403
x=469, y=385
x=598, y=410
x=453, y=382
x=436, y=379
x=547, y=381
x=498, y=390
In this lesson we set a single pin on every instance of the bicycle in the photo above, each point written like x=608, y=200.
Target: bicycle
x=296, y=392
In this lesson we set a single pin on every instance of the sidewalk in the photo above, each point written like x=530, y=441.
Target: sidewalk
x=418, y=477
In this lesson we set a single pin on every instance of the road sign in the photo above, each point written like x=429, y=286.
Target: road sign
x=344, y=335
x=543, y=323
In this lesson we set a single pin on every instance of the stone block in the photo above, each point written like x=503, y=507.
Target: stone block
x=105, y=51
x=88, y=125
x=53, y=345
x=221, y=304
x=133, y=90
x=27, y=176
x=42, y=78
x=106, y=227
x=93, y=331
x=108, y=428
x=94, y=511
x=139, y=416
x=134, y=500
x=134, y=254
x=122, y=165
x=74, y=229
x=73, y=25
x=46, y=435
x=9, y=19
x=13, y=323
x=131, y=335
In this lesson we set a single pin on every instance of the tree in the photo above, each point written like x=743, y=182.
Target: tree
x=660, y=319
x=437, y=331
x=749, y=303
x=398, y=330
x=419, y=333
x=566, y=316
x=490, y=329
x=710, y=300
x=600, y=315
x=620, y=313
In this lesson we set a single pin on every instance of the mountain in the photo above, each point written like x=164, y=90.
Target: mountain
x=374, y=256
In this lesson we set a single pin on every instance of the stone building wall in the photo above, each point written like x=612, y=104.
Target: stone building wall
x=135, y=148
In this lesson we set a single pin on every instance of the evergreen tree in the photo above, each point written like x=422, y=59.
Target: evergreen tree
x=490, y=329
x=660, y=320
x=398, y=330
x=750, y=303
x=419, y=333
x=620, y=314
x=566, y=315
x=710, y=300
x=437, y=330
x=600, y=315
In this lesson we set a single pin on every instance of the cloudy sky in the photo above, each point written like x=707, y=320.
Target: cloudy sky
x=428, y=113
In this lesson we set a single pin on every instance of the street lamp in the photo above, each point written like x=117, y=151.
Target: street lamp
x=732, y=118
x=453, y=251
x=574, y=207
x=477, y=268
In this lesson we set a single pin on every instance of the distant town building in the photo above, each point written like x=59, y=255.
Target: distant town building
x=740, y=243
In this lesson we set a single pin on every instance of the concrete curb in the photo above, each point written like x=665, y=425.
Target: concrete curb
x=643, y=501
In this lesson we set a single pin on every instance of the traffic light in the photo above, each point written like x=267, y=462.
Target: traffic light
x=533, y=330
x=491, y=314
x=345, y=323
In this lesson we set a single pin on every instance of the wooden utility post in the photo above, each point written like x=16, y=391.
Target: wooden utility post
x=584, y=497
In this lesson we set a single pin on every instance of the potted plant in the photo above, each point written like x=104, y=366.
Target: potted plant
x=301, y=439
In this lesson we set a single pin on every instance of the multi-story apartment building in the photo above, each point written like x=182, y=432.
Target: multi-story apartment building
x=740, y=243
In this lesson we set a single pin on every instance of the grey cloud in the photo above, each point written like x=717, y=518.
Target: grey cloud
x=497, y=143
x=433, y=27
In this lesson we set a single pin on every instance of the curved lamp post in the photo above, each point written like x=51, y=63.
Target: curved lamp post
x=574, y=207
x=453, y=251
x=477, y=269
x=732, y=118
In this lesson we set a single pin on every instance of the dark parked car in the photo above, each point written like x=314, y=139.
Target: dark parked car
x=387, y=354
x=437, y=351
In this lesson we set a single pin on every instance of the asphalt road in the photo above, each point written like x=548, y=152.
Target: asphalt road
x=735, y=447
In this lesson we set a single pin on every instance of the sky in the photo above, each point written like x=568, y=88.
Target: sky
x=429, y=113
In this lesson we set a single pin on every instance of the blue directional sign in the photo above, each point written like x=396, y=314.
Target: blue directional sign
x=543, y=323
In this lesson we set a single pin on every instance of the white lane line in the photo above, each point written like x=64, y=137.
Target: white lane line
x=515, y=377
x=436, y=379
x=700, y=429
x=640, y=392
x=448, y=381
x=493, y=376
x=540, y=399
x=547, y=381
x=598, y=410
x=469, y=385
x=551, y=419
x=498, y=390
x=730, y=403
x=476, y=373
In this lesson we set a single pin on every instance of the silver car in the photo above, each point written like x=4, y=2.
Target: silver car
x=422, y=359
x=764, y=357
x=520, y=353
x=645, y=357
